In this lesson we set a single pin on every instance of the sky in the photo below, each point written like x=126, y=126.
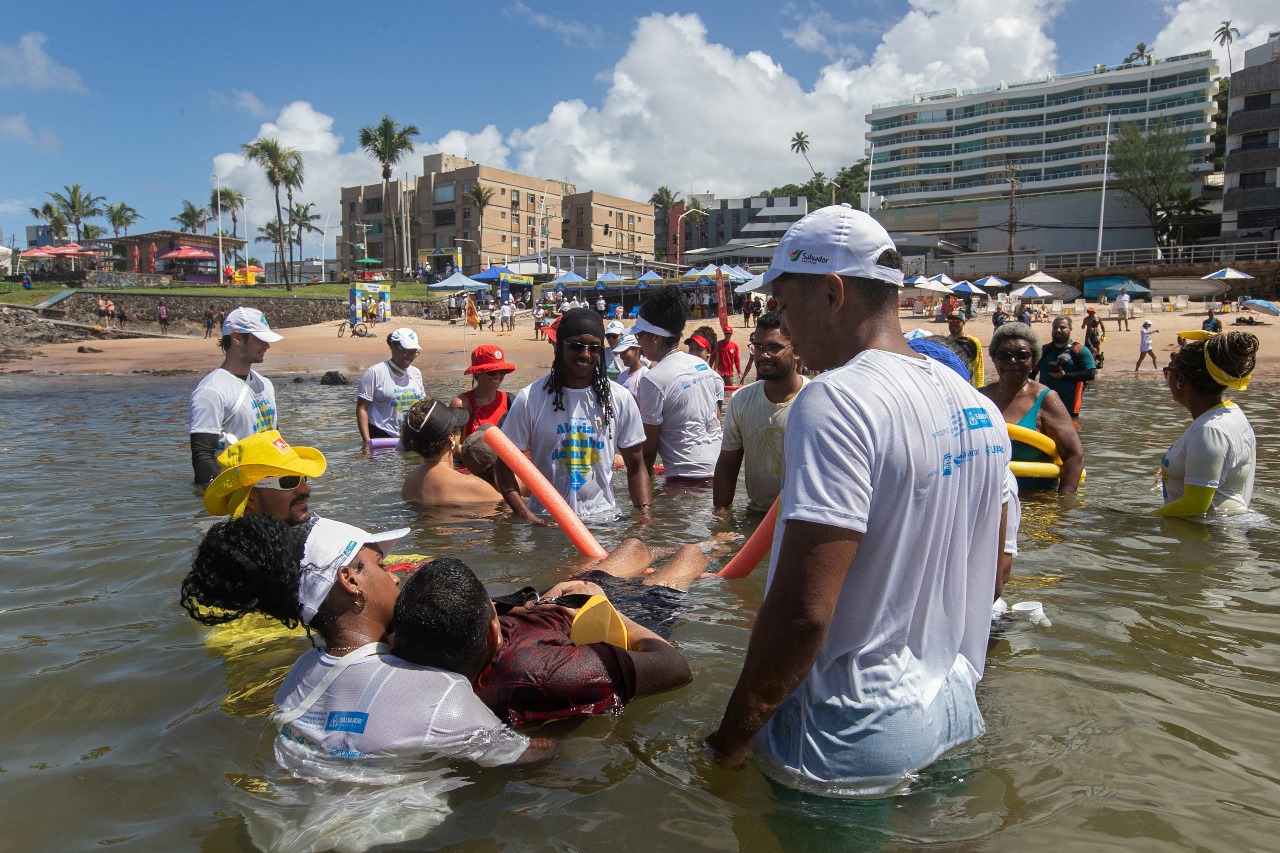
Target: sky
x=146, y=107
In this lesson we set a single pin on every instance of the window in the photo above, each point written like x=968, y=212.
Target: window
x=1251, y=141
x=373, y=205
x=1257, y=102
x=631, y=220
x=503, y=214
x=466, y=214
x=351, y=206
x=1252, y=180
x=515, y=196
x=444, y=218
x=579, y=234
x=443, y=194
x=515, y=220
x=466, y=187
x=515, y=242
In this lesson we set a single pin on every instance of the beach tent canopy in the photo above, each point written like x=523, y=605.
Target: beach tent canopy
x=458, y=281
x=608, y=277
x=1039, y=278
x=492, y=274
x=368, y=261
x=753, y=283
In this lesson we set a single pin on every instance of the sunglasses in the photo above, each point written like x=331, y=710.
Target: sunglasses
x=287, y=483
x=1020, y=356
x=579, y=346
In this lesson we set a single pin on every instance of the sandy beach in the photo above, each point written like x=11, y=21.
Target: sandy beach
x=316, y=349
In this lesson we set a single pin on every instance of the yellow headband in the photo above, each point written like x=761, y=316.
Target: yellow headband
x=1216, y=373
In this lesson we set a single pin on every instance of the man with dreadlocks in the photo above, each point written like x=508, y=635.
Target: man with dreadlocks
x=573, y=422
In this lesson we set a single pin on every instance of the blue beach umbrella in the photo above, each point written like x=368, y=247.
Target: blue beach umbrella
x=991, y=281
x=1263, y=305
x=966, y=287
x=1225, y=272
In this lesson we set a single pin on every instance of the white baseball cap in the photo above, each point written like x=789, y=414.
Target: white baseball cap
x=252, y=321
x=834, y=239
x=614, y=328
x=627, y=342
x=406, y=338
x=330, y=546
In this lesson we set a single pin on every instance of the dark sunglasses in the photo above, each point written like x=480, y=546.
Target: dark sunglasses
x=579, y=346
x=1019, y=356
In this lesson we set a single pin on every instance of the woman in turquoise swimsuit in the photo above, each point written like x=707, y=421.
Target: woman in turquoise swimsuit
x=1015, y=350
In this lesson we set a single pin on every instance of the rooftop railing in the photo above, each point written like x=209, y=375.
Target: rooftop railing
x=1216, y=254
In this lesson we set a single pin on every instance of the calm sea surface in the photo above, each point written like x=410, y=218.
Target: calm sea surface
x=1145, y=718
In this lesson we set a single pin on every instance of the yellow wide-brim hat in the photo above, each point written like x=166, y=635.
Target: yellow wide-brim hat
x=261, y=455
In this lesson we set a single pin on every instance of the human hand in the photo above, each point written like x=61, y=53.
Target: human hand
x=574, y=587
x=719, y=749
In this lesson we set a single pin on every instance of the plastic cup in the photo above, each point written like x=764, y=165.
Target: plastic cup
x=1033, y=611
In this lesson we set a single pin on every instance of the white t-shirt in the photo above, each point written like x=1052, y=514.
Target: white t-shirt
x=628, y=378
x=224, y=404
x=679, y=393
x=1218, y=451
x=756, y=426
x=1122, y=302
x=382, y=705
x=390, y=393
x=1144, y=344
x=1013, y=519
x=507, y=309
x=908, y=454
x=573, y=448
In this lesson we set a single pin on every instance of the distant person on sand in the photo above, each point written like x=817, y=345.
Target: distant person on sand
x=208, y=322
x=1211, y=323
x=485, y=402
x=162, y=317
x=1145, y=346
x=111, y=311
x=121, y=315
x=432, y=430
x=234, y=401
x=1122, y=309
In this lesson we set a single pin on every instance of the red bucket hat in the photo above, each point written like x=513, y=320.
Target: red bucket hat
x=487, y=358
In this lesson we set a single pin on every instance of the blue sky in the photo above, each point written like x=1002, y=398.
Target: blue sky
x=143, y=107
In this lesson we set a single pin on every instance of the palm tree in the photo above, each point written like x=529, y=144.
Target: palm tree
x=1141, y=53
x=77, y=204
x=276, y=160
x=800, y=145
x=1224, y=36
x=93, y=231
x=228, y=199
x=193, y=216
x=270, y=233
x=387, y=142
x=664, y=198
x=121, y=216
x=479, y=196
x=52, y=216
x=292, y=180
x=302, y=218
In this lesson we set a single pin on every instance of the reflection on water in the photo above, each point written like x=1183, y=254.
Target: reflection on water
x=1144, y=717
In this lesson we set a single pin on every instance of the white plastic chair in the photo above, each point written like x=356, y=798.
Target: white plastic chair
x=1056, y=309
x=1137, y=308
x=1157, y=304
x=1181, y=304
x=1080, y=307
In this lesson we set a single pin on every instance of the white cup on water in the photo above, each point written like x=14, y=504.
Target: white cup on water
x=1034, y=612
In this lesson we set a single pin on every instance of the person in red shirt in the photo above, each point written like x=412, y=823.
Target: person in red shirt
x=485, y=401
x=726, y=361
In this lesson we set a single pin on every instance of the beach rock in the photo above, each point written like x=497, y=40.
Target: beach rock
x=298, y=380
x=87, y=349
x=334, y=377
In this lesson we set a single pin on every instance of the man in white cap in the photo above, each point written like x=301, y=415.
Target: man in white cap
x=234, y=401
x=867, y=650
x=389, y=388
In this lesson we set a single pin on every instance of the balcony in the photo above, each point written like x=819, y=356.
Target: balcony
x=1255, y=158
x=1248, y=121
x=1252, y=197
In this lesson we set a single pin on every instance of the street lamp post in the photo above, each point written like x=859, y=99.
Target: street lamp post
x=680, y=244
x=218, y=201
x=456, y=241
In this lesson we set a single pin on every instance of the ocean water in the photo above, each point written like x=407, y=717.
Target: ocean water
x=1143, y=719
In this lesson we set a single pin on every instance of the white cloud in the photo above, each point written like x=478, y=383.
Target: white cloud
x=250, y=103
x=1192, y=24
x=13, y=205
x=17, y=129
x=485, y=147
x=818, y=31
x=26, y=64
x=572, y=33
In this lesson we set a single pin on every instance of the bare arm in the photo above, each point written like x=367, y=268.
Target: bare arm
x=725, y=482
x=362, y=419
x=790, y=630
x=510, y=489
x=651, y=445
x=1055, y=421
x=638, y=484
x=1004, y=562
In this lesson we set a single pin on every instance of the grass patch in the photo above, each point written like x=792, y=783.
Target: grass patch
x=14, y=294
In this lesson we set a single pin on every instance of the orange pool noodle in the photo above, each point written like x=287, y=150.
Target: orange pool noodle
x=546, y=494
x=756, y=549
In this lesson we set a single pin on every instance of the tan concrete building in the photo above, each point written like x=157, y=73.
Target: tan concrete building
x=608, y=224
x=521, y=217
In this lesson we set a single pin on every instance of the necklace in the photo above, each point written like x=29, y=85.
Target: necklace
x=331, y=649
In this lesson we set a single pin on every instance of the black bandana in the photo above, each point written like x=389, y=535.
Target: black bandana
x=580, y=321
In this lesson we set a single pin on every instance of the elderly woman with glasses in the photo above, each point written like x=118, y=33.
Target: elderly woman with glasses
x=1015, y=351
x=1210, y=468
x=389, y=388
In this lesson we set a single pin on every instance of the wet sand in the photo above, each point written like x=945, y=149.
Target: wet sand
x=316, y=349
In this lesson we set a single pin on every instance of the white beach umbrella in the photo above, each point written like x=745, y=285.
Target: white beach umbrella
x=1030, y=291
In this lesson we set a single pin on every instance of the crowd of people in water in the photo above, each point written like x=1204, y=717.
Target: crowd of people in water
x=865, y=655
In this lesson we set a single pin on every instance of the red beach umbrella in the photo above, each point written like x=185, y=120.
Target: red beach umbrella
x=135, y=257
x=151, y=262
x=187, y=253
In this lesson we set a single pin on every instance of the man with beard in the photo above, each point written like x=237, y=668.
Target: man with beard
x=264, y=475
x=574, y=421
x=756, y=419
x=234, y=401
x=1065, y=366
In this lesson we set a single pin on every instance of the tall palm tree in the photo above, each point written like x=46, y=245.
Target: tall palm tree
x=276, y=160
x=479, y=196
x=229, y=200
x=271, y=233
x=387, y=142
x=77, y=204
x=800, y=145
x=664, y=198
x=52, y=216
x=93, y=231
x=302, y=220
x=292, y=179
x=193, y=216
x=121, y=216
x=1141, y=53
x=1224, y=36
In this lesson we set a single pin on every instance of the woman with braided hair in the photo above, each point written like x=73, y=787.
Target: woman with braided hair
x=352, y=698
x=573, y=422
x=1210, y=468
x=677, y=396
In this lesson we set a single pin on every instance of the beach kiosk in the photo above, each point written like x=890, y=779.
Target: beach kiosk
x=381, y=295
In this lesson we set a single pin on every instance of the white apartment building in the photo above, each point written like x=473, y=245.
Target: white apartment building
x=934, y=150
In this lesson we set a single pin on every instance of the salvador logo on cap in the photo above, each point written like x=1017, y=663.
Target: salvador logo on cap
x=802, y=256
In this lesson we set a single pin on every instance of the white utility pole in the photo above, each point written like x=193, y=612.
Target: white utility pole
x=1102, y=204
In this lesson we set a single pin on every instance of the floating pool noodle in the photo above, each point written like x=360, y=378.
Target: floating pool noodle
x=1043, y=443
x=383, y=443
x=756, y=549
x=546, y=494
